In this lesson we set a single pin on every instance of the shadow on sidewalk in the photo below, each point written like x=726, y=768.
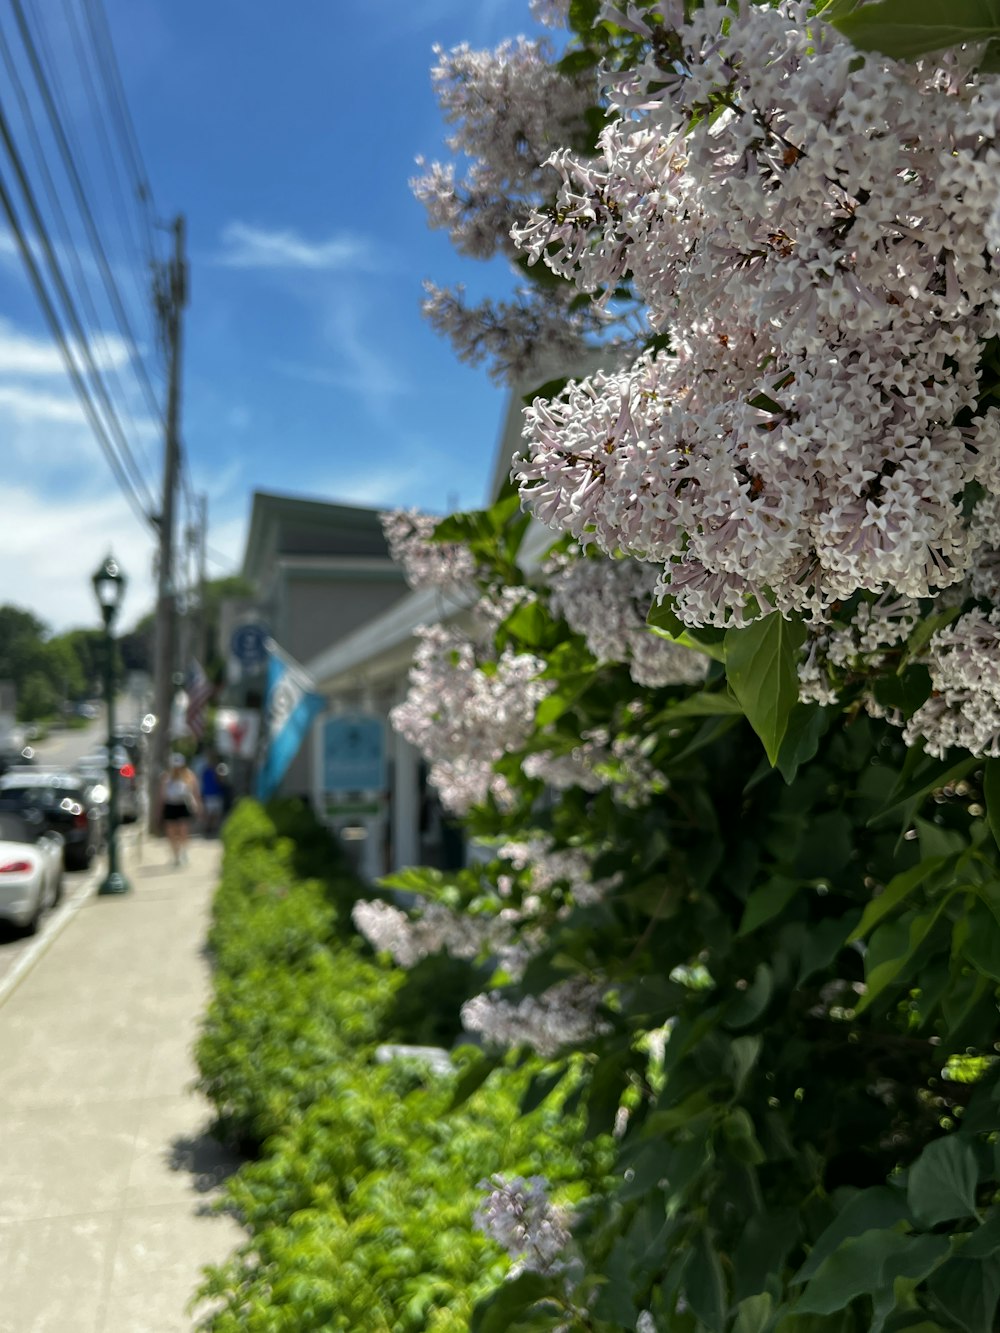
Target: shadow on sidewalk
x=205, y=1159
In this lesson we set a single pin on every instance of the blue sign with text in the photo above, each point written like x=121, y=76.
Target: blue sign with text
x=353, y=753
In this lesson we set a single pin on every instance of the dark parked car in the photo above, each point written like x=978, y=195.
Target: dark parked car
x=133, y=741
x=93, y=768
x=13, y=758
x=68, y=805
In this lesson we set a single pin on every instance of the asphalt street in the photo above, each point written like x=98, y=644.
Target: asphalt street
x=60, y=749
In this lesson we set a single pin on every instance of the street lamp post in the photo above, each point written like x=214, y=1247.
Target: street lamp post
x=109, y=585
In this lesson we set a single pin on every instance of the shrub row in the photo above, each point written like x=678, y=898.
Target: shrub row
x=359, y=1196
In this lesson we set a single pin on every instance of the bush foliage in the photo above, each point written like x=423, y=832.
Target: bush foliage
x=360, y=1194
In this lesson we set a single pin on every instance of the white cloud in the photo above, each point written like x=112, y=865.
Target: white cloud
x=258, y=248
x=53, y=545
x=386, y=486
x=29, y=404
x=22, y=354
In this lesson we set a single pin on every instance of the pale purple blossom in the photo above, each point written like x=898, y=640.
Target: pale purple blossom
x=519, y=1215
x=815, y=252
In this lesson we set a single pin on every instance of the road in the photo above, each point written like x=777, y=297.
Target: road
x=60, y=749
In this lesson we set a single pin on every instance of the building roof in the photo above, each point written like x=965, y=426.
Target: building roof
x=291, y=525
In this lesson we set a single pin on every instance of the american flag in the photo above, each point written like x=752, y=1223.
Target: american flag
x=199, y=691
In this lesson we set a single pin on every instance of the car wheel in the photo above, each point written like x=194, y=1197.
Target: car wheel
x=57, y=889
x=78, y=858
x=30, y=927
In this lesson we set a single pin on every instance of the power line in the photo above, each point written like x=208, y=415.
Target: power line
x=117, y=192
x=82, y=287
x=100, y=33
x=140, y=272
x=79, y=383
x=73, y=173
x=69, y=307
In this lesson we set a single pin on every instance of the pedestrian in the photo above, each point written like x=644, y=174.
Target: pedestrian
x=212, y=796
x=179, y=801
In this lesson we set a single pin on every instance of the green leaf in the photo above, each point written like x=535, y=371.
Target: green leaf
x=765, y=903
x=981, y=943
x=754, y=1314
x=531, y=623
x=908, y=29
x=703, y=703
x=892, y=947
x=751, y=1003
x=941, y=1185
x=763, y=1249
x=875, y=1209
x=743, y=1055
x=704, y=1283
x=894, y=893
x=807, y=725
x=540, y=1087
x=866, y=1264
x=662, y=620
x=991, y=791
x=823, y=943
x=968, y=1293
x=929, y=779
x=827, y=848
x=473, y=1078
x=740, y=1138
x=414, y=879
x=499, y=1311
x=761, y=662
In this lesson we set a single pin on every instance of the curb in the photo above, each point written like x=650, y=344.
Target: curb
x=50, y=932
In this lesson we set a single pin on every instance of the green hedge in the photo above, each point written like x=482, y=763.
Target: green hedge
x=359, y=1202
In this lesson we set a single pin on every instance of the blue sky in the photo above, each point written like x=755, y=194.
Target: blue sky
x=287, y=136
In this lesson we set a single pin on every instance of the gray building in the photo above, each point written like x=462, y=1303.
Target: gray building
x=319, y=572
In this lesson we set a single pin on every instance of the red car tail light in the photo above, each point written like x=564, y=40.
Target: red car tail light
x=15, y=868
x=127, y=771
x=80, y=818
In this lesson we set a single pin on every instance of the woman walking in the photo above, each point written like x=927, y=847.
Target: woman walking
x=179, y=801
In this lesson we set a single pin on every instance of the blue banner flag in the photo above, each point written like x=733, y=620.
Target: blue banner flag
x=290, y=705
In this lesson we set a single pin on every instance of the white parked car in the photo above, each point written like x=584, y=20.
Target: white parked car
x=31, y=870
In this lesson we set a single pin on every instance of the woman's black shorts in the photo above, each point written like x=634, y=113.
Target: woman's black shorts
x=174, y=810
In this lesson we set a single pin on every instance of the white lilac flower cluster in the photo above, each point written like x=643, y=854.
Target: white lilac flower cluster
x=427, y=929
x=425, y=562
x=512, y=337
x=606, y=601
x=596, y=762
x=550, y=13
x=510, y=109
x=561, y=1016
x=833, y=652
x=519, y=1215
x=964, y=707
x=462, y=718
x=806, y=224
x=571, y=867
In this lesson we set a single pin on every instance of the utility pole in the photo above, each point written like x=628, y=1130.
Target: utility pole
x=171, y=297
x=202, y=640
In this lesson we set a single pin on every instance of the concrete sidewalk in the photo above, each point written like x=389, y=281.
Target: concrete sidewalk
x=107, y=1168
